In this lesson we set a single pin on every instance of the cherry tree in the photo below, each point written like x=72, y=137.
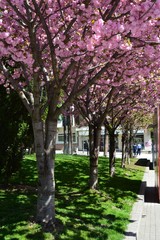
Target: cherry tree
x=53, y=51
x=112, y=99
x=135, y=121
x=141, y=101
x=139, y=97
x=118, y=110
x=93, y=106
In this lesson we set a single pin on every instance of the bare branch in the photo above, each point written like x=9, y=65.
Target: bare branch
x=114, y=6
x=16, y=87
x=67, y=71
x=18, y=12
x=49, y=36
x=61, y=11
x=148, y=10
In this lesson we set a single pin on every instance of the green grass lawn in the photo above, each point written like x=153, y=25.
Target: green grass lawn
x=81, y=213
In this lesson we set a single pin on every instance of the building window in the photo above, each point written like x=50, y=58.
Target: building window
x=74, y=137
x=61, y=138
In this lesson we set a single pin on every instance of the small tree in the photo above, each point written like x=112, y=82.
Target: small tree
x=16, y=133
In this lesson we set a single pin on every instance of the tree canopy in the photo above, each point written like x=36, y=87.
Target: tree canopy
x=51, y=52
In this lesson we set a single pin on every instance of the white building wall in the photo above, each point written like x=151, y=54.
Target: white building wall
x=82, y=134
x=147, y=140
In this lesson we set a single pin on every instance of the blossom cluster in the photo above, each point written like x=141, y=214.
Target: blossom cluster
x=46, y=37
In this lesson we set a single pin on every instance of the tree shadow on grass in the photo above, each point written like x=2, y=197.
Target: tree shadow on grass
x=28, y=172
x=81, y=213
x=16, y=215
x=90, y=215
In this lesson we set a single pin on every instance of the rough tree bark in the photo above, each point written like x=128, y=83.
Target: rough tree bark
x=123, y=151
x=45, y=154
x=105, y=142
x=131, y=141
x=65, y=134
x=94, y=142
x=125, y=148
x=70, y=140
x=112, y=151
x=45, y=140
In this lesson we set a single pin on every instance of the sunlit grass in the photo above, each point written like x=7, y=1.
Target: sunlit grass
x=80, y=212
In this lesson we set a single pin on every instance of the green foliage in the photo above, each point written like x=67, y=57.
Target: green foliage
x=16, y=132
x=81, y=214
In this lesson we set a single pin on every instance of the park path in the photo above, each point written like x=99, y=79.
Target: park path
x=149, y=228
x=145, y=217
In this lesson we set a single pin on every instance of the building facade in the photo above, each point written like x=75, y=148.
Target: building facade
x=80, y=135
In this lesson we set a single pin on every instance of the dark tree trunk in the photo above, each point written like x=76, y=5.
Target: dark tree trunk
x=94, y=142
x=105, y=142
x=112, y=151
x=130, y=142
x=65, y=134
x=70, y=140
x=125, y=149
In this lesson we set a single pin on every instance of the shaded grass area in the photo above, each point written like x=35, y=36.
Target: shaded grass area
x=81, y=213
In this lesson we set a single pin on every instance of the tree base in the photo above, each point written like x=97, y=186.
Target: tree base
x=52, y=226
x=48, y=227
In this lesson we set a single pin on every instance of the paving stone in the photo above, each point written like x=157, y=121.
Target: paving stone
x=146, y=224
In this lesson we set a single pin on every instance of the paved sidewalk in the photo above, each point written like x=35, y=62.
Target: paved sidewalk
x=145, y=216
x=149, y=228
x=136, y=214
x=150, y=222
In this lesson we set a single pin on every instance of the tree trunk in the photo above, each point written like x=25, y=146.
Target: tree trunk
x=45, y=154
x=123, y=151
x=112, y=150
x=94, y=142
x=131, y=142
x=70, y=140
x=65, y=134
x=105, y=142
x=125, y=143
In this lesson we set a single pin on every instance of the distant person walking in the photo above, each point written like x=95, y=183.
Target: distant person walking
x=86, y=146
x=139, y=148
x=135, y=149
